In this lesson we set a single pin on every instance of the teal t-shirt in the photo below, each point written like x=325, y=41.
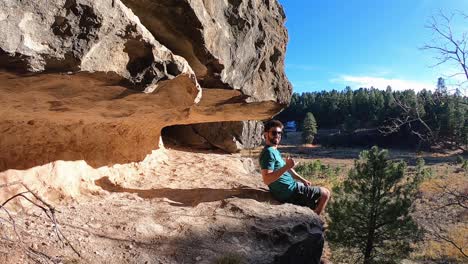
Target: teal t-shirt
x=284, y=186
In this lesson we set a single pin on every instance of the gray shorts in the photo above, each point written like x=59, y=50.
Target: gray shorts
x=306, y=196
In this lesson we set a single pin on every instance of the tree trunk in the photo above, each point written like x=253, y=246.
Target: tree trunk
x=372, y=220
x=369, y=247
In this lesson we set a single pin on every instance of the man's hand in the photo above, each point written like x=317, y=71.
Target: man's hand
x=306, y=182
x=299, y=178
x=290, y=163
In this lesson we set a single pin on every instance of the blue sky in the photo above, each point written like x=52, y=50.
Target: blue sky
x=335, y=43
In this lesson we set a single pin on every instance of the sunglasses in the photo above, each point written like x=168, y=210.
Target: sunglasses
x=275, y=133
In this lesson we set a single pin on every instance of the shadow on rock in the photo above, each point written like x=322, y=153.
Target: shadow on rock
x=190, y=197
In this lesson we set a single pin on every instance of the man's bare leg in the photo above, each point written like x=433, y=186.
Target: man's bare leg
x=324, y=197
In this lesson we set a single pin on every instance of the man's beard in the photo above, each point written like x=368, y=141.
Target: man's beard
x=275, y=140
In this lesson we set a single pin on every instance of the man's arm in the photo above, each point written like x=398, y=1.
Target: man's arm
x=299, y=178
x=270, y=176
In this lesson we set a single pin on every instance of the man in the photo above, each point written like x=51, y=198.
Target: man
x=281, y=178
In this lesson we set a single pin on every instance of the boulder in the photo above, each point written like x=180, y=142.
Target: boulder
x=306, y=251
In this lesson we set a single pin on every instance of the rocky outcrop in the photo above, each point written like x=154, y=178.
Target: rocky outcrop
x=86, y=87
x=173, y=207
x=86, y=36
x=98, y=80
x=231, y=44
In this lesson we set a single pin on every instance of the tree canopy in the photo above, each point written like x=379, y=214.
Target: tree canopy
x=430, y=116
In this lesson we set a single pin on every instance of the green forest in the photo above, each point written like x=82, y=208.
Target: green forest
x=369, y=116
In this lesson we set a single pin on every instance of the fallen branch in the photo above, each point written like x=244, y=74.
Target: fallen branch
x=49, y=211
x=51, y=215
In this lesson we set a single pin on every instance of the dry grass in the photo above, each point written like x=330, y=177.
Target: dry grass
x=446, y=221
x=439, y=250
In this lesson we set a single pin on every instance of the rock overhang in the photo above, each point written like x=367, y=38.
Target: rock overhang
x=84, y=80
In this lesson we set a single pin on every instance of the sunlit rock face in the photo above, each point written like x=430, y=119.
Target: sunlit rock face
x=230, y=44
x=98, y=80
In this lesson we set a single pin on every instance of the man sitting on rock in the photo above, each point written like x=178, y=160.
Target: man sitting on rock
x=281, y=178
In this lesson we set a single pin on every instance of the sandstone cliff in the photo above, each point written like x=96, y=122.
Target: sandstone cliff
x=99, y=80
x=86, y=89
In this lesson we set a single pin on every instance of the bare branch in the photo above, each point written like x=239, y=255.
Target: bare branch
x=449, y=47
x=450, y=195
x=453, y=196
x=411, y=115
x=437, y=233
x=51, y=215
x=49, y=211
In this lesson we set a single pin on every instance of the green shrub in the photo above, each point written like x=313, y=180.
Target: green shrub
x=316, y=169
x=421, y=170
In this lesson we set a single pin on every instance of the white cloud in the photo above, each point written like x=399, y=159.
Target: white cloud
x=382, y=83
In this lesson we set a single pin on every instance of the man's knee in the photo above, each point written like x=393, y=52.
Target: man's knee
x=325, y=193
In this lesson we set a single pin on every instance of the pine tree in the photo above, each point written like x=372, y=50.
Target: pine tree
x=370, y=212
x=309, y=128
x=441, y=89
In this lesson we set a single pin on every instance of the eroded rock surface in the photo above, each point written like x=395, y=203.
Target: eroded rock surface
x=229, y=44
x=98, y=80
x=81, y=35
x=174, y=207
